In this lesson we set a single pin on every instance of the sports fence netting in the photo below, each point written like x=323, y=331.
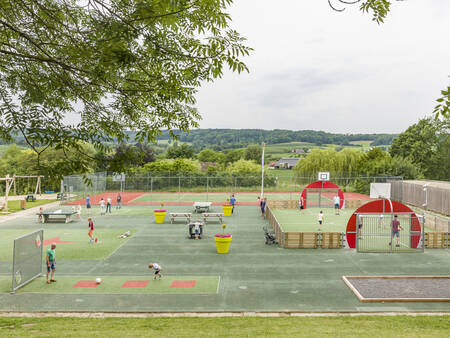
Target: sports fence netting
x=320, y=198
x=27, y=258
x=375, y=233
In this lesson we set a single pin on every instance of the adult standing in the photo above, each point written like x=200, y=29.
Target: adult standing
x=232, y=202
x=108, y=204
x=88, y=202
x=396, y=227
x=337, y=204
x=263, y=207
x=119, y=201
x=51, y=263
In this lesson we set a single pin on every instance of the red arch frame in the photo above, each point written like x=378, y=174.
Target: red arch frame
x=377, y=207
x=324, y=185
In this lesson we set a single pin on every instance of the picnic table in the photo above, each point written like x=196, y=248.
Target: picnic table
x=183, y=215
x=56, y=216
x=202, y=206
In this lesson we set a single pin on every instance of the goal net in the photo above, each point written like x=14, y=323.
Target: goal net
x=375, y=234
x=27, y=259
x=320, y=198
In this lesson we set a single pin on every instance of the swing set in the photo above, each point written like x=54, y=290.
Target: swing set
x=11, y=183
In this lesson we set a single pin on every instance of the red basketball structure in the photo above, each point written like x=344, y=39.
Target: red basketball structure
x=323, y=185
x=376, y=207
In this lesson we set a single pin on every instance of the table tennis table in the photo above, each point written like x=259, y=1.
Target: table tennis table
x=202, y=206
x=56, y=216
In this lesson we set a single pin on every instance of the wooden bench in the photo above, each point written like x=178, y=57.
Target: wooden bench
x=184, y=215
x=209, y=215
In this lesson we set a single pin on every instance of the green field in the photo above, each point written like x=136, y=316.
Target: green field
x=331, y=326
x=294, y=220
x=254, y=277
x=212, y=197
x=79, y=249
x=338, y=326
x=114, y=285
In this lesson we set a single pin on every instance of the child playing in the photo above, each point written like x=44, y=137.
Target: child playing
x=91, y=230
x=320, y=219
x=40, y=217
x=79, y=212
x=102, y=206
x=157, y=269
x=197, y=229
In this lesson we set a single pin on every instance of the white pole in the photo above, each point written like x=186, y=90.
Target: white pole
x=262, y=171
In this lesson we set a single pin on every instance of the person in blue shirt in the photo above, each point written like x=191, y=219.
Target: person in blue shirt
x=232, y=202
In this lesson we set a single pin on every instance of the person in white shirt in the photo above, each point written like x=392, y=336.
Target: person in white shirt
x=320, y=219
x=337, y=204
x=157, y=268
x=102, y=206
x=108, y=204
x=79, y=212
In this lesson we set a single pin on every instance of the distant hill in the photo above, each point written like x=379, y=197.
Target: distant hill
x=220, y=139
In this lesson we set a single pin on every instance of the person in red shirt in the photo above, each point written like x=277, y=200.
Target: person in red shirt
x=91, y=230
x=396, y=227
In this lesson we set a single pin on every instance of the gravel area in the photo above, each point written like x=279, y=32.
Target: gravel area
x=402, y=287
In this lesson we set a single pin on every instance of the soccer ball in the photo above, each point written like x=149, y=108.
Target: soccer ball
x=98, y=280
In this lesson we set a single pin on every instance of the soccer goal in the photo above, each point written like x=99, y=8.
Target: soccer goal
x=27, y=259
x=320, y=198
x=374, y=233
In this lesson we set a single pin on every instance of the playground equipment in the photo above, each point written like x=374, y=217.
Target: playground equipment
x=11, y=182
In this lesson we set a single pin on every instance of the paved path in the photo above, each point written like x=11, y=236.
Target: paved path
x=26, y=212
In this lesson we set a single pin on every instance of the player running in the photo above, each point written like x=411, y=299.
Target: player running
x=157, y=269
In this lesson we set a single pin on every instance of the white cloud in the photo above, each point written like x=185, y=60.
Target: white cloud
x=314, y=68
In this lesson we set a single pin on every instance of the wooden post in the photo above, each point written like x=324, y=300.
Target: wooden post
x=8, y=186
x=14, y=181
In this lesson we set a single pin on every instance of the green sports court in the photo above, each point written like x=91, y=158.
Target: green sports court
x=253, y=276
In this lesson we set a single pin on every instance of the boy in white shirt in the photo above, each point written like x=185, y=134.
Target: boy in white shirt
x=157, y=269
x=320, y=219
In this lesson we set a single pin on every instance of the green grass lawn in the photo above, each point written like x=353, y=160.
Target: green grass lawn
x=341, y=326
x=113, y=285
x=14, y=206
x=79, y=250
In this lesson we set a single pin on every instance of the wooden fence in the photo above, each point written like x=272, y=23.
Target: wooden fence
x=279, y=234
x=437, y=240
x=436, y=199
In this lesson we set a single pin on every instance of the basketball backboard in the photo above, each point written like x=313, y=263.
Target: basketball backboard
x=380, y=190
x=323, y=176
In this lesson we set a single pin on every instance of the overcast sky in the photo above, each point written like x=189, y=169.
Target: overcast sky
x=314, y=68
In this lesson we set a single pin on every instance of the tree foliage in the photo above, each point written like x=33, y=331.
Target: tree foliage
x=183, y=151
x=115, y=65
x=426, y=144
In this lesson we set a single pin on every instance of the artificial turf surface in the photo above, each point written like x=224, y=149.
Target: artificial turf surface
x=114, y=285
x=294, y=220
x=212, y=197
x=254, y=276
x=77, y=246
